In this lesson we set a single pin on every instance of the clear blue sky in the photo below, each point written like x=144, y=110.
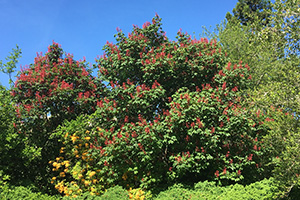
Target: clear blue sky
x=83, y=27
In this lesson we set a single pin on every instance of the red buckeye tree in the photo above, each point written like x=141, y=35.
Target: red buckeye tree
x=174, y=114
x=53, y=89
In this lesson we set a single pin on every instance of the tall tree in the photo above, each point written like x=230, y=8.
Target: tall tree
x=272, y=52
x=248, y=11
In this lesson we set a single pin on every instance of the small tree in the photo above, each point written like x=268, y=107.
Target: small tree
x=10, y=66
x=53, y=89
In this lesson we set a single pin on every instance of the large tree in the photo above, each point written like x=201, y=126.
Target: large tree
x=173, y=115
x=272, y=52
x=249, y=11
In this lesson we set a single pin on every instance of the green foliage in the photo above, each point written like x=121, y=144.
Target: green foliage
x=272, y=52
x=208, y=190
x=203, y=190
x=21, y=192
x=12, y=144
x=116, y=192
x=284, y=138
x=10, y=65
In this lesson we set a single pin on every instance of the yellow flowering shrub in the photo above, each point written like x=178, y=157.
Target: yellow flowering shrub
x=75, y=167
x=138, y=194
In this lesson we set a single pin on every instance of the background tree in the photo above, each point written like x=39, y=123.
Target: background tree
x=9, y=67
x=272, y=52
x=250, y=11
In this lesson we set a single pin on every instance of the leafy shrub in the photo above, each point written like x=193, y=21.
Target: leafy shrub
x=116, y=192
x=264, y=189
x=21, y=192
x=284, y=138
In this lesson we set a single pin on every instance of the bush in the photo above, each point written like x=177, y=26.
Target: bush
x=264, y=189
x=21, y=192
x=284, y=138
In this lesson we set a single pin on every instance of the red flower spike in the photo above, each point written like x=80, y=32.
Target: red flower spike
x=187, y=138
x=221, y=124
x=227, y=154
x=250, y=157
x=217, y=173
x=224, y=86
x=147, y=130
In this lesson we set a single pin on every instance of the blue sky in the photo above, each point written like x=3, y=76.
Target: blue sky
x=83, y=27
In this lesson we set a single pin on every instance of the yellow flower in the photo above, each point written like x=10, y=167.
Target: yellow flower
x=75, y=152
x=66, y=135
x=73, y=138
x=87, y=138
x=62, y=174
x=124, y=177
x=84, y=153
x=86, y=182
x=54, y=178
x=58, y=166
x=95, y=181
x=67, y=163
x=92, y=173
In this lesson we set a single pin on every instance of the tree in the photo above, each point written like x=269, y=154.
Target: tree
x=249, y=11
x=11, y=144
x=9, y=67
x=173, y=115
x=53, y=89
x=272, y=52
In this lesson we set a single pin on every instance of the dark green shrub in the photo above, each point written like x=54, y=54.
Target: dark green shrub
x=24, y=193
x=264, y=189
x=116, y=192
